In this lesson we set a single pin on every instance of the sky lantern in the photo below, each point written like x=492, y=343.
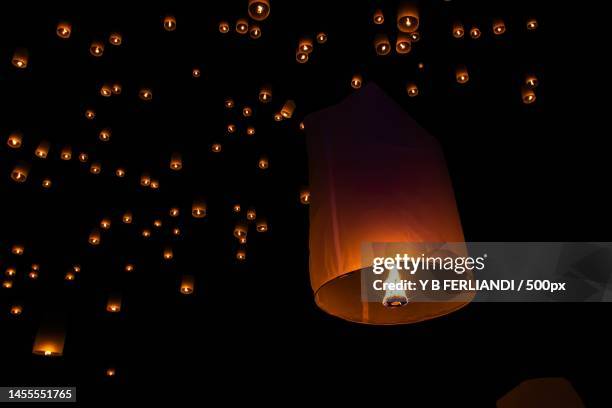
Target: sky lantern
x=461, y=74
x=145, y=180
x=176, y=161
x=196, y=73
x=115, y=39
x=105, y=134
x=242, y=26
x=64, y=29
x=20, y=58
x=531, y=81
x=216, y=147
x=16, y=310
x=382, y=46
x=174, y=212
x=378, y=17
x=116, y=88
x=263, y=163
x=458, y=30
x=528, y=95
x=250, y=130
x=96, y=48
x=369, y=145
x=46, y=183
x=411, y=89
x=261, y=225
x=94, y=237
x=532, y=24
x=475, y=32
x=10, y=272
x=305, y=196
x=49, y=340
x=265, y=94
x=42, y=150
x=499, y=27
x=247, y=112
x=259, y=9
x=106, y=90
x=120, y=172
x=95, y=168
x=240, y=230
x=113, y=305
x=198, y=209
x=187, y=284
x=251, y=214
x=17, y=249
x=241, y=254
x=403, y=44
x=20, y=172
x=287, y=109
x=301, y=56
x=15, y=140
x=90, y=114
x=127, y=217
x=66, y=153
x=321, y=38
x=145, y=94
x=169, y=23
x=168, y=254
x=306, y=45
x=254, y=31
x=356, y=81
x=105, y=223
x=224, y=27
x=407, y=17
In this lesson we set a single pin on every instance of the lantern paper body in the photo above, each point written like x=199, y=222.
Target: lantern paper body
x=375, y=176
x=542, y=392
x=49, y=340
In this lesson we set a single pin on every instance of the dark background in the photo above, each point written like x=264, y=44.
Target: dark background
x=520, y=173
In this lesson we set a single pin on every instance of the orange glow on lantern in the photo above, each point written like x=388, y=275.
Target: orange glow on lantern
x=42, y=150
x=20, y=58
x=46, y=183
x=263, y=163
x=382, y=44
x=169, y=23
x=250, y=130
x=168, y=254
x=461, y=74
x=7, y=284
x=198, y=209
x=66, y=153
x=378, y=17
x=49, y=340
x=475, y=33
x=251, y=214
x=265, y=94
x=174, y=212
x=242, y=26
x=254, y=31
x=407, y=17
x=531, y=81
x=187, y=284
x=16, y=310
x=301, y=57
x=145, y=94
x=96, y=49
x=458, y=30
x=116, y=88
x=176, y=162
x=356, y=81
x=10, y=272
x=287, y=109
x=106, y=90
x=120, y=172
x=113, y=305
x=321, y=38
x=224, y=27
x=95, y=168
x=412, y=89
x=240, y=230
x=129, y=267
x=94, y=237
x=259, y=9
x=532, y=24
x=115, y=39
x=241, y=254
x=236, y=208
x=216, y=147
x=305, y=45
x=17, y=249
x=15, y=140
x=20, y=172
x=305, y=196
x=127, y=217
x=64, y=29
x=105, y=223
x=195, y=72
x=145, y=180
x=499, y=27
x=247, y=112
x=261, y=225
x=403, y=44
x=528, y=95
x=105, y=135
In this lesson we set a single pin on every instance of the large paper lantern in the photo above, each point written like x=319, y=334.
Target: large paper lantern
x=50, y=338
x=376, y=177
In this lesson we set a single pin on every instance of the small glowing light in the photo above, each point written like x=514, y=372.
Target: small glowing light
x=115, y=39
x=321, y=38
x=145, y=94
x=64, y=29
x=196, y=72
x=412, y=89
x=216, y=147
x=105, y=135
x=242, y=26
x=224, y=27
x=475, y=33
x=532, y=24
x=169, y=23
x=90, y=114
x=96, y=49
x=46, y=183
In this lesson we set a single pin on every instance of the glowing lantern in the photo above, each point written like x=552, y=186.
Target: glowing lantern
x=146, y=233
x=301, y=126
x=228, y=103
x=265, y=94
x=382, y=44
x=16, y=310
x=7, y=284
x=90, y=114
x=261, y=225
x=33, y=274
x=187, y=284
x=94, y=237
x=145, y=94
x=113, y=305
x=247, y=111
x=49, y=340
x=251, y=214
x=198, y=209
x=475, y=33
x=46, y=183
x=532, y=24
x=174, y=212
x=64, y=29
x=415, y=37
x=216, y=147
x=531, y=81
x=231, y=128
x=15, y=140
x=254, y=31
x=129, y=267
x=236, y=208
x=42, y=150
x=259, y=9
x=403, y=44
x=240, y=230
x=105, y=135
x=458, y=30
x=110, y=372
x=69, y=276
x=20, y=58
x=145, y=180
x=528, y=95
x=116, y=89
x=461, y=74
x=241, y=254
x=66, y=153
x=407, y=17
x=115, y=39
x=499, y=27
x=343, y=138
x=278, y=117
x=287, y=109
x=356, y=81
x=250, y=130
x=301, y=57
x=305, y=45
x=95, y=168
x=176, y=162
x=224, y=27
x=96, y=49
x=76, y=268
x=17, y=249
x=106, y=90
x=127, y=217
x=20, y=173
x=263, y=163
x=120, y=172
x=242, y=26
x=10, y=272
x=168, y=254
x=196, y=73
x=421, y=66
x=378, y=17
x=154, y=184
x=169, y=23
x=176, y=231
x=242, y=240
x=105, y=223
x=412, y=89
x=321, y=38
x=305, y=196
x=157, y=223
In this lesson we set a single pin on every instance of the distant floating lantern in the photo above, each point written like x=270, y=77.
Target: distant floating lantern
x=106, y=90
x=105, y=223
x=251, y=214
x=240, y=230
x=176, y=231
x=356, y=81
x=254, y=31
x=115, y=39
x=49, y=340
x=321, y=38
x=261, y=225
x=17, y=249
x=7, y=284
x=176, y=162
x=231, y=128
x=95, y=168
x=305, y=45
x=242, y=26
x=250, y=130
x=241, y=254
x=15, y=140
x=145, y=94
x=69, y=276
x=154, y=184
x=216, y=147
x=129, y=267
x=224, y=27
x=94, y=237
x=20, y=172
x=105, y=134
x=263, y=163
x=528, y=95
x=110, y=372
x=120, y=172
x=90, y=114
x=461, y=74
x=412, y=89
x=146, y=233
x=16, y=310
x=127, y=217
x=20, y=58
x=408, y=17
x=187, y=284
x=458, y=30
x=301, y=57
x=96, y=49
x=382, y=44
x=33, y=275
x=499, y=27
x=403, y=44
x=113, y=305
x=415, y=36
x=116, y=89
x=145, y=180
x=10, y=272
x=66, y=153
x=42, y=150
x=174, y=212
x=265, y=94
x=378, y=17
x=64, y=29
x=169, y=23
x=168, y=254
x=475, y=32
x=531, y=81
x=236, y=208
x=196, y=72
x=228, y=103
x=532, y=24
x=247, y=112
x=46, y=183
x=278, y=117
x=305, y=196
x=421, y=66
x=287, y=109
x=301, y=126
x=76, y=268
x=259, y=9
x=198, y=209
x=157, y=223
